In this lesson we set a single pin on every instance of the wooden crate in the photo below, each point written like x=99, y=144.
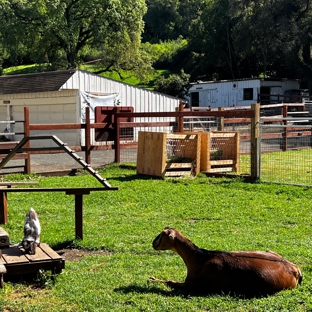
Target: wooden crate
x=220, y=151
x=162, y=154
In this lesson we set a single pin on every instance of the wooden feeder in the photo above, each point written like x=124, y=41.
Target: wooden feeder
x=220, y=151
x=163, y=155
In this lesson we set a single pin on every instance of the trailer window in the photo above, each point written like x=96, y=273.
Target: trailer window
x=195, y=99
x=248, y=94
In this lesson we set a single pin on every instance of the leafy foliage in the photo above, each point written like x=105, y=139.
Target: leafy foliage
x=57, y=31
x=175, y=85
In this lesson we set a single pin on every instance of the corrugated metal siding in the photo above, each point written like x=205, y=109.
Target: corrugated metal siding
x=141, y=99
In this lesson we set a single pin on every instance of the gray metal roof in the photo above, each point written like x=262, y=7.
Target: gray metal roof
x=37, y=82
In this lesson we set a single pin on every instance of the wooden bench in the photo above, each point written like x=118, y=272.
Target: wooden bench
x=78, y=192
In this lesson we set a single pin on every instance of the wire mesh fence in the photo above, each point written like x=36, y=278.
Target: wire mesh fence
x=286, y=154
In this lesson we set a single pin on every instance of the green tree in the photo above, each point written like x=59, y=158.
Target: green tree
x=60, y=30
x=175, y=85
x=170, y=19
x=211, y=43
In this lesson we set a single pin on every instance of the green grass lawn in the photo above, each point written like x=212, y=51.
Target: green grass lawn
x=214, y=213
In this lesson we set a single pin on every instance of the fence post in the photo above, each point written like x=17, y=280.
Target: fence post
x=285, y=122
x=255, y=152
x=117, y=135
x=181, y=118
x=220, y=125
x=88, y=137
x=27, y=134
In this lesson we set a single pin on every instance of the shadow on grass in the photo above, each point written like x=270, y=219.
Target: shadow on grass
x=136, y=177
x=148, y=290
x=69, y=244
x=184, y=294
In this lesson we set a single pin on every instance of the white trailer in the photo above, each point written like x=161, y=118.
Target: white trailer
x=243, y=92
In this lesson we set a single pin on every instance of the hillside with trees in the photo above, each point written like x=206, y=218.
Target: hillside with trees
x=187, y=39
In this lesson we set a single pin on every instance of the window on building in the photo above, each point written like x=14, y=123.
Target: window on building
x=248, y=94
x=195, y=99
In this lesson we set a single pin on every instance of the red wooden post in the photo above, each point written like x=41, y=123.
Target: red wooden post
x=181, y=118
x=88, y=137
x=117, y=135
x=27, y=134
x=3, y=207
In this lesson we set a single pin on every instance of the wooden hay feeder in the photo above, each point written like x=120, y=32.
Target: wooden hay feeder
x=220, y=151
x=168, y=155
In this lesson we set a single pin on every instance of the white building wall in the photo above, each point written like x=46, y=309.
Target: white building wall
x=44, y=108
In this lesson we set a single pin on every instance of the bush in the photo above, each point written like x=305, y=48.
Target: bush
x=175, y=85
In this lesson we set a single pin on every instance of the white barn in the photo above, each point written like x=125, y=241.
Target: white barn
x=61, y=97
x=243, y=92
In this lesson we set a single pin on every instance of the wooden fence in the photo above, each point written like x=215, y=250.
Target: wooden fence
x=251, y=115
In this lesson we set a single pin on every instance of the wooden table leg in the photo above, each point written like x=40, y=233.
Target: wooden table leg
x=3, y=208
x=79, y=215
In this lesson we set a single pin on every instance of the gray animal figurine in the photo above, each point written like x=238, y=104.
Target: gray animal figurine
x=32, y=232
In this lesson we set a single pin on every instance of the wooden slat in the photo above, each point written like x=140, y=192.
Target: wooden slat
x=178, y=165
x=177, y=173
x=221, y=162
x=2, y=269
x=223, y=134
x=182, y=136
x=49, y=251
x=224, y=169
x=39, y=256
x=13, y=256
x=4, y=238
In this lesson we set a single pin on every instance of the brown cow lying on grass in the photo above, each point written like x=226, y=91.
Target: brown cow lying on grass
x=248, y=273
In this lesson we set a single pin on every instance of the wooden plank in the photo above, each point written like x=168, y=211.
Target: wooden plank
x=177, y=173
x=2, y=268
x=223, y=134
x=39, y=256
x=178, y=165
x=223, y=169
x=182, y=136
x=221, y=162
x=13, y=255
x=49, y=251
x=66, y=190
x=4, y=239
x=151, y=153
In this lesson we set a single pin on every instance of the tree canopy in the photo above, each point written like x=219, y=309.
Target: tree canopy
x=62, y=31
x=216, y=39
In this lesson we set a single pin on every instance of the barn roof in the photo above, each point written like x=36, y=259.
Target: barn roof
x=37, y=82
